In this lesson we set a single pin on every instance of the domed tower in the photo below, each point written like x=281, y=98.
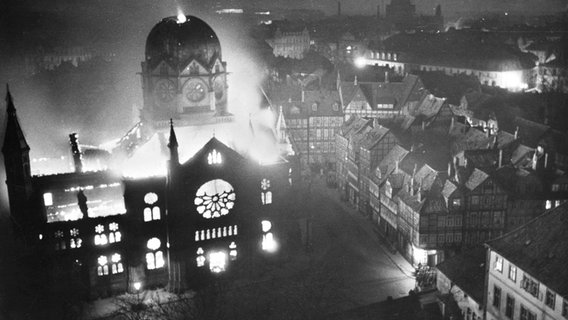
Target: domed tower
x=184, y=76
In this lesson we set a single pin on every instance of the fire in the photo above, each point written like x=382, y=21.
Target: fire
x=181, y=18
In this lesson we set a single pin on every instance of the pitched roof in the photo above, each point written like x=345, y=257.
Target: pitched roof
x=476, y=178
x=540, y=248
x=373, y=137
x=449, y=188
x=388, y=164
x=467, y=271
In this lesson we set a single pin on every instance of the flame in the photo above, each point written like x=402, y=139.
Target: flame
x=181, y=18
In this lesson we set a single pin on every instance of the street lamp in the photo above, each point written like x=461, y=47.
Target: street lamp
x=137, y=286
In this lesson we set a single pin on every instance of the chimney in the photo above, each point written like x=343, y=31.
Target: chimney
x=534, y=160
x=449, y=169
x=355, y=81
x=396, y=166
x=456, y=170
x=452, y=124
x=517, y=133
x=546, y=160
x=76, y=151
x=303, y=95
x=419, y=193
x=423, y=125
x=500, y=158
x=386, y=77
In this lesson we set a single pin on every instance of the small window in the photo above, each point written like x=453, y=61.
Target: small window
x=510, y=307
x=550, y=299
x=513, y=273
x=214, y=157
x=565, y=309
x=526, y=314
x=498, y=264
x=496, y=297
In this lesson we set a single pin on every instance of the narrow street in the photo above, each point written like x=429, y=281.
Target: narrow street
x=344, y=238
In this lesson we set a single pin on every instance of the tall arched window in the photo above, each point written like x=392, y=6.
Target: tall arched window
x=151, y=211
x=265, y=194
x=154, y=258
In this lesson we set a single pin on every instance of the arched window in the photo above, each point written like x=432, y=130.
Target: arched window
x=59, y=240
x=268, y=242
x=152, y=211
x=75, y=241
x=200, y=260
x=265, y=194
x=114, y=234
x=116, y=266
x=102, y=269
x=100, y=238
x=214, y=157
x=154, y=258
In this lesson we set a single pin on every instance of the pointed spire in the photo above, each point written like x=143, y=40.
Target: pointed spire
x=173, y=144
x=14, y=139
x=10, y=109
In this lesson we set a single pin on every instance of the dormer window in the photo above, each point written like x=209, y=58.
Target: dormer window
x=214, y=157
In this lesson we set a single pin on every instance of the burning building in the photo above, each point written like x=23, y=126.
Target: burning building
x=213, y=204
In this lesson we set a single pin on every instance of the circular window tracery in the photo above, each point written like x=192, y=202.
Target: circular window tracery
x=214, y=199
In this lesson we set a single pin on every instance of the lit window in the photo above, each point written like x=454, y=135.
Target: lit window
x=214, y=199
x=265, y=184
x=217, y=261
x=266, y=197
x=102, y=269
x=268, y=243
x=513, y=273
x=114, y=235
x=214, y=157
x=116, y=266
x=200, y=257
x=48, y=199
x=152, y=211
x=233, y=251
x=548, y=204
x=154, y=259
x=498, y=264
x=150, y=198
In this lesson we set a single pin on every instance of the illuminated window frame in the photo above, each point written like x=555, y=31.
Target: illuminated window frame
x=154, y=258
x=214, y=158
x=152, y=211
x=216, y=233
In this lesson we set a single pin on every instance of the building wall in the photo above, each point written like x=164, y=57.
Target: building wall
x=500, y=276
x=471, y=309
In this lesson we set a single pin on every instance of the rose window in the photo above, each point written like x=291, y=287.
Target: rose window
x=214, y=199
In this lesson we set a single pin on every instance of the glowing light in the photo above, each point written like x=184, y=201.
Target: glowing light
x=512, y=80
x=268, y=242
x=48, y=199
x=217, y=261
x=137, y=286
x=360, y=62
x=150, y=198
x=181, y=18
x=154, y=244
x=102, y=260
x=266, y=225
x=222, y=11
x=214, y=199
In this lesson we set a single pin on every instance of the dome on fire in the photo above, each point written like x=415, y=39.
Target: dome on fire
x=178, y=42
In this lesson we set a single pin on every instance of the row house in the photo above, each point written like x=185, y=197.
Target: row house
x=384, y=184
x=311, y=124
x=376, y=145
x=385, y=101
x=353, y=126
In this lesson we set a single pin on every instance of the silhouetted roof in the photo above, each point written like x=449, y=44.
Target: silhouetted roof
x=467, y=271
x=540, y=248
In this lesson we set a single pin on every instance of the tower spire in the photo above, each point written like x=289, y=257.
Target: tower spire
x=173, y=144
x=14, y=139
